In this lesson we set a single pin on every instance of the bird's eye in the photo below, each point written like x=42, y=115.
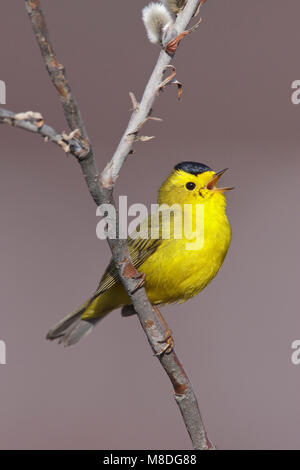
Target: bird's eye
x=190, y=186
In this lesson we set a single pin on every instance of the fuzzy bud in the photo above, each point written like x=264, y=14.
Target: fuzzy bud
x=174, y=6
x=157, y=21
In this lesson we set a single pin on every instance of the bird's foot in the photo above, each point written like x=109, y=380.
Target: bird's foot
x=168, y=339
x=168, y=342
x=141, y=283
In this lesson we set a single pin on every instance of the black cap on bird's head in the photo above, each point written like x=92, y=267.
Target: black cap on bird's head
x=194, y=168
x=189, y=180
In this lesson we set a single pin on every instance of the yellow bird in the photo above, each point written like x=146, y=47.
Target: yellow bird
x=177, y=263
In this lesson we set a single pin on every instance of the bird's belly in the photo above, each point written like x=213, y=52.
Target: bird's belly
x=175, y=274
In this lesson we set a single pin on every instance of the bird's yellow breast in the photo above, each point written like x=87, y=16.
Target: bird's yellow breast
x=175, y=273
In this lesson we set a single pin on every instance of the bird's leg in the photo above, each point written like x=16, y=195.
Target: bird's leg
x=168, y=339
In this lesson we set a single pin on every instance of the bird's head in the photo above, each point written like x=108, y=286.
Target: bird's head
x=192, y=183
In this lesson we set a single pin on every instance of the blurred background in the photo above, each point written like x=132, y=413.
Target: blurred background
x=234, y=339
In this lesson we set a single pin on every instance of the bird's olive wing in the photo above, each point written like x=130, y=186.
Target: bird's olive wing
x=140, y=249
x=142, y=243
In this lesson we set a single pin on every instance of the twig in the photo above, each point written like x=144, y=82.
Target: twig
x=101, y=189
x=33, y=122
x=112, y=170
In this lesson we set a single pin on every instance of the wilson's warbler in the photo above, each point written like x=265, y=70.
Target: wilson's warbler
x=173, y=273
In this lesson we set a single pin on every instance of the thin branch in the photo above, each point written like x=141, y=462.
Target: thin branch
x=111, y=171
x=56, y=70
x=101, y=189
x=34, y=122
x=71, y=110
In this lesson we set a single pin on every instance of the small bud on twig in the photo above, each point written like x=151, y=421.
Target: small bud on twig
x=144, y=138
x=175, y=6
x=158, y=22
x=135, y=104
x=33, y=117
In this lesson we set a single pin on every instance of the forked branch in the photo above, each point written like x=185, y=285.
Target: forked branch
x=101, y=188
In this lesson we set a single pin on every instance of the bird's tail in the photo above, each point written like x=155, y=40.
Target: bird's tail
x=72, y=328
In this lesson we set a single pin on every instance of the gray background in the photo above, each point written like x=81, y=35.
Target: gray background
x=235, y=337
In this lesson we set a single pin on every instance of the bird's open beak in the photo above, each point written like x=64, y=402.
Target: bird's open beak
x=211, y=185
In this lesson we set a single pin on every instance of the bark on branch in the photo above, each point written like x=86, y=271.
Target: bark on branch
x=101, y=189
